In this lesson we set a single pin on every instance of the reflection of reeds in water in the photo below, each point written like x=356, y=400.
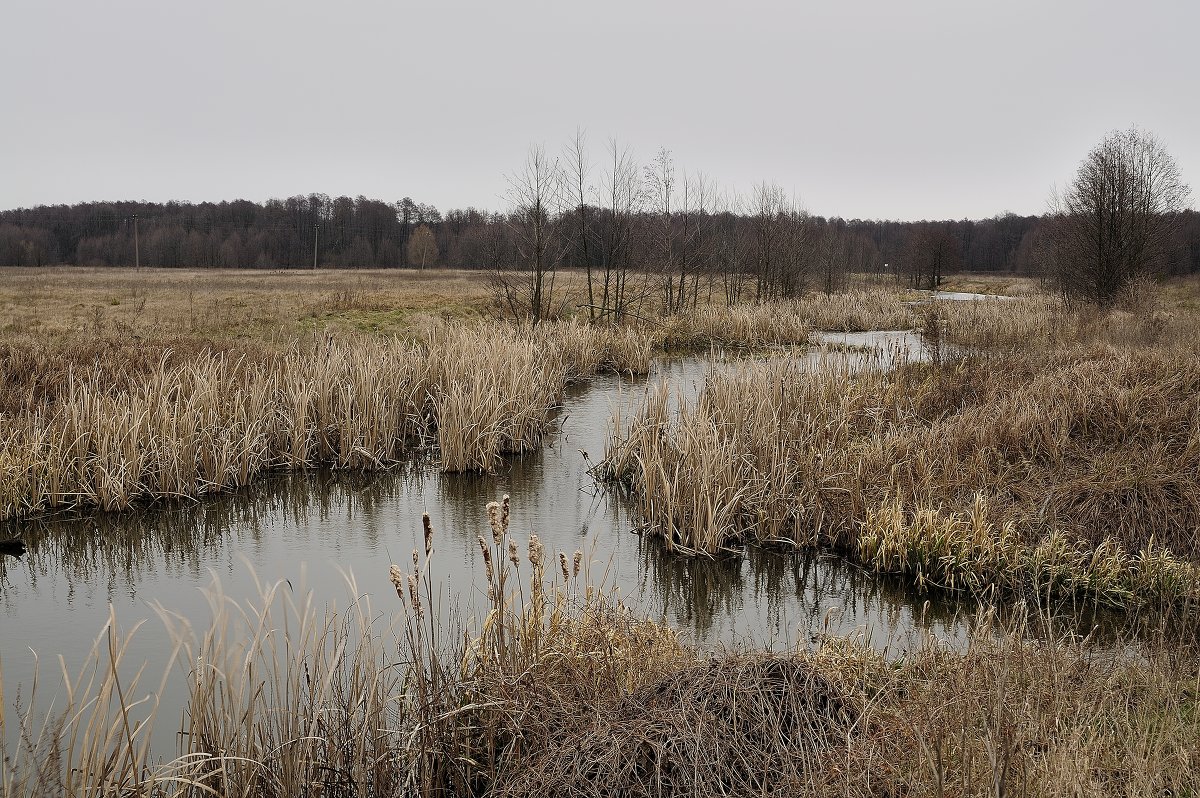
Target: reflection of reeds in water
x=800, y=595
x=1061, y=472
x=212, y=422
x=126, y=548
x=690, y=593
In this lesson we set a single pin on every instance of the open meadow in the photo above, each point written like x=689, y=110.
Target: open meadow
x=1029, y=457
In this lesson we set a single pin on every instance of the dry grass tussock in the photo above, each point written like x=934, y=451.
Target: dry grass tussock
x=1039, y=322
x=1072, y=470
x=788, y=322
x=104, y=425
x=555, y=687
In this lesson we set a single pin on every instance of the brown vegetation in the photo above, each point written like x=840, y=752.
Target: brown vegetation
x=1063, y=457
x=106, y=424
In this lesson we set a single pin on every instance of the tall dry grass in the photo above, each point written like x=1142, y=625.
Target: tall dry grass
x=91, y=426
x=1072, y=469
x=788, y=322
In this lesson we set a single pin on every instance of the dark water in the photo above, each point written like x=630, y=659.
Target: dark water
x=314, y=528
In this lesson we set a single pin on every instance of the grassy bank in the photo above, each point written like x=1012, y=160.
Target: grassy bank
x=1061, y=456
x=107, y=424
x=556, y=687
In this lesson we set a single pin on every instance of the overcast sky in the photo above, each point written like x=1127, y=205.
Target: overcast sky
x=903, y=110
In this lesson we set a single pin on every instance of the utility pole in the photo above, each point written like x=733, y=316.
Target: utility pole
x=137, y=256
x=315, y=232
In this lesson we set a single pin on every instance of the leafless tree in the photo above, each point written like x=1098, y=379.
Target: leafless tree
x=1118, y=219
x=698, y=244
x=661, y=183
x=932, y=253
x=780, y=239
x=536, y=196
x=422, y=248
x=578, y=169
x=622, y=198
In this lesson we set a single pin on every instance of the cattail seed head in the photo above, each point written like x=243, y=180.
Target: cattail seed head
x=413, y=595
x=487, y=559
x=578, y=561
x=397, y=577
x=428, y=525
x=504, y=514
x=535, y=551
x=513, y=556
x=416, y=558
x=493, y=510
x=562, y=561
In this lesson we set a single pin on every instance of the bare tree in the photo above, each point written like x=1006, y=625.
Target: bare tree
x=699, y=197
x=422, y=248
x=780, y=239
x=660, y=189
x=536, y=197
x=932, y=253
x=830, y=256
x=623, y=197
x=577, y=171
x=1118, y=219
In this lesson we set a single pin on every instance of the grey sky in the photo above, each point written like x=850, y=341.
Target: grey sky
x=901, y=110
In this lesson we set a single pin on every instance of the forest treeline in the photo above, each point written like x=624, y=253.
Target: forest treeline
x=343, y=232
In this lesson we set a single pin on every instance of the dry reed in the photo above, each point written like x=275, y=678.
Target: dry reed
x=108, y=430
x=1073, y=469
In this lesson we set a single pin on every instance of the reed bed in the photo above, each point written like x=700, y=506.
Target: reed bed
x=1073, y=470
x=552, y=686
x=110, y=427
x=1040, y=322
x=761, y=325
x=788, y=323
x=857, y=311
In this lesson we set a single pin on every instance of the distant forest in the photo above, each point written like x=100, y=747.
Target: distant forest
x=350, y=233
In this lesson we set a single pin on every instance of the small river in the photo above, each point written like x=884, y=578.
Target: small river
x=312, y=529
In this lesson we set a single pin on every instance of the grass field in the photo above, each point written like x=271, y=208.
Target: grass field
x=232, y=302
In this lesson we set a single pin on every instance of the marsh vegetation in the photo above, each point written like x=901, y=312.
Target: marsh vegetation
x=1034, y=450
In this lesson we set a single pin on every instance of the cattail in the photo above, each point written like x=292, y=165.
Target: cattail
x=578, y=561
x=493, y=511
x=416, y=558
x=562, y=561
x=504, y=513
x=413, y=595
x=397, y=577
x=535, y=551
x=428, y=525
x=513, y=556
x=487, y=558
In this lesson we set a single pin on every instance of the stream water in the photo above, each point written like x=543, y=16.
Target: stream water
x=313, y=528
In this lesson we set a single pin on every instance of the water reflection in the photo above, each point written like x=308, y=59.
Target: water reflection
x=780, y=599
